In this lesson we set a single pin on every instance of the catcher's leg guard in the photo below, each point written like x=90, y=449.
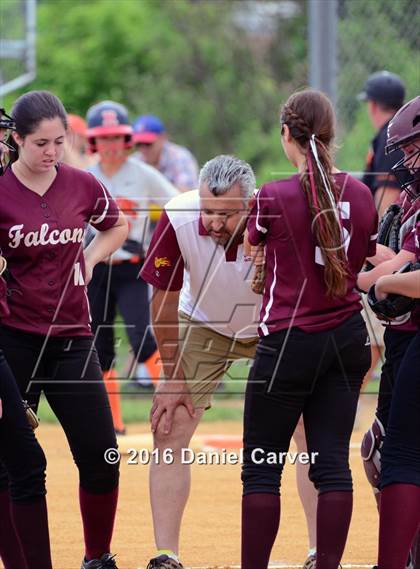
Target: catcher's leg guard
x=371, y=453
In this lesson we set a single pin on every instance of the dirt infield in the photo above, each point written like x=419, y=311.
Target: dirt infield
x=211, y=529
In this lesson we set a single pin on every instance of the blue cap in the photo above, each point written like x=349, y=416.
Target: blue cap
x=147, y=128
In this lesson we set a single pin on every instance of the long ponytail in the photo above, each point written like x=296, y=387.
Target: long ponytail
x=310, y=119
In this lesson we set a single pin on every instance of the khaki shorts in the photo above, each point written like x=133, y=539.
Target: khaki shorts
x=206, y=355
x=373, y=324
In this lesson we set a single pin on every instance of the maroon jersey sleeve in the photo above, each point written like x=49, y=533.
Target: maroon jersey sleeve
x=259, y=220
x=374, y=235
x=104, y=209
x=417, y=240
x=164, y=265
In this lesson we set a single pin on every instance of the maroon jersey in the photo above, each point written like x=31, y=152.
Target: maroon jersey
x=416, y=313
x=295, y=292
x=412, y=244
x=42, y=240
x=407, y=324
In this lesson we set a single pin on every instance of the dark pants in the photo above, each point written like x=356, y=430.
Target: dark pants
x=319, y=375
x=396, y=344
x=19, y=450
x=400, y=457
x=67, y=370
x=119, y=286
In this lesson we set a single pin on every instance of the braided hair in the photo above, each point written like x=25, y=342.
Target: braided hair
x=310, y=118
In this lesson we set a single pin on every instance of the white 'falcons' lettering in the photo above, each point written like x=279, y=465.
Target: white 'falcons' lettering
x=44, y=236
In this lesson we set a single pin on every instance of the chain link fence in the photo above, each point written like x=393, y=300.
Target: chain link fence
x=373, y=35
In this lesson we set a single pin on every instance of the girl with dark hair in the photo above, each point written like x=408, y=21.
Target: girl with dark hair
x=46, y=338
x=317, y=227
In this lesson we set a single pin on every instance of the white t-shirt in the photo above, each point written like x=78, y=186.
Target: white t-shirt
x=135, y=187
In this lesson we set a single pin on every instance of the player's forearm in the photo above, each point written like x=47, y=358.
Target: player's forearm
x=383, y=254
x=407, y=284
x=367, y=279
x=384, y=197
x=166, y=329
x=107, y=242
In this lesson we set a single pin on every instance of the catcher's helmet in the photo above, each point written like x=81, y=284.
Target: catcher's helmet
x=403, y=130
x=108, y=119
x=385, y=88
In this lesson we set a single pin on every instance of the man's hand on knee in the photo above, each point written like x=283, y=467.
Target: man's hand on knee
x=169, y=395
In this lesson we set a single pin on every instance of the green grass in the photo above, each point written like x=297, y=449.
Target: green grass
x=372, y=387
x=227, y=403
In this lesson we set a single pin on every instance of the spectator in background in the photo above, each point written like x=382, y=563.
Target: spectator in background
x=76, y=152
x=175, y=162
x=115, y=283
x=384, y=93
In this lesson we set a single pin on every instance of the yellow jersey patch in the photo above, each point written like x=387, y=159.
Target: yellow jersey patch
x=162, y=262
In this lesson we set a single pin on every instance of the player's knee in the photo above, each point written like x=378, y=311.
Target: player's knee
x=331, y=476
x=371, y=452
x=259, y=474
x=98, y=465
x=99, y=477
x=28, y=481
x=255, y=481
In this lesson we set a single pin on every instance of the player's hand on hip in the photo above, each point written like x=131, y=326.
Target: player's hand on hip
x=169, y=395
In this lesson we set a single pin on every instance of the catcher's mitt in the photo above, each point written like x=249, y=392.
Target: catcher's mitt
x=389, y=228
x=394, y=305
x=258, y=282
x=389, y=231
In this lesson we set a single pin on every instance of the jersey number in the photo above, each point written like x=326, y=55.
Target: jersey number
x=344, y=208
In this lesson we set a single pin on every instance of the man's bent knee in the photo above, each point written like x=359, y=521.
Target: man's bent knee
x=182, y=430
